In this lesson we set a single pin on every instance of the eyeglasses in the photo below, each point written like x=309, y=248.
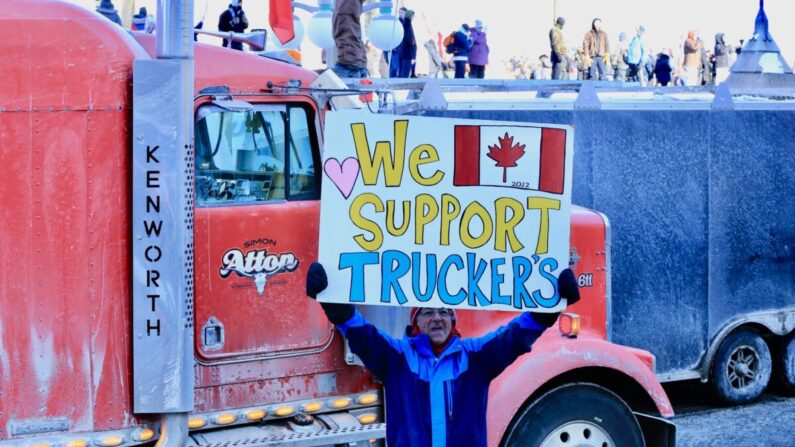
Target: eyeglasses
x=428, y=313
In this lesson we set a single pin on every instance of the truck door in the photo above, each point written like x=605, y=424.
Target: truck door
x=256, y=228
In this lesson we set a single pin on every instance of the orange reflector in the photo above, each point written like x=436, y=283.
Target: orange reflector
x=41, y=444
x=309, y=407
x=77, y=443
x=367, y=399
x=284, y=411
x=367, y=418
x=342, y=402
x=569, y=324
x=197, y=422
x=144, y=434
x=111, y=441
x=366, y=97
x=255, y=415
x=225, y=418
x=295, y=55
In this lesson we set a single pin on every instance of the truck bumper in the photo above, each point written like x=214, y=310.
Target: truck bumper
x=248, y=437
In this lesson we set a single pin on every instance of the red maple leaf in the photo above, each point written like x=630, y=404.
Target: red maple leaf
x=506, y=154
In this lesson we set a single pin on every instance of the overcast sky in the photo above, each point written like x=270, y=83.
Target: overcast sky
x=521, y=27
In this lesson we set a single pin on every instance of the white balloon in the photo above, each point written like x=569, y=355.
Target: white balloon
x=385, y=32
x=320, y=32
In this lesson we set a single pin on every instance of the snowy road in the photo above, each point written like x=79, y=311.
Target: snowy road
x=701, y=423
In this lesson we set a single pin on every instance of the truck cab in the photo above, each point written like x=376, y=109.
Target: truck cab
x=268, y=367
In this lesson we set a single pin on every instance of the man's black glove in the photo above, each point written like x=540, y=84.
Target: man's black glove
x=316, y=282
x=567, y=287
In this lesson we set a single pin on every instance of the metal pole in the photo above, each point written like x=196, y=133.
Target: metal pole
x=175, y=30
x=162, y=227
x=554, y=10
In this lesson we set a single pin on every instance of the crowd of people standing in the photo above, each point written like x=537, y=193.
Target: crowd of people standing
x=469, y=47
x=465, y=52
x=629, y=60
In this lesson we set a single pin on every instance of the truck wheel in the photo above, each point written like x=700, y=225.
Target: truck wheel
x=787, y=365
x=742, y=367
x=578, y=414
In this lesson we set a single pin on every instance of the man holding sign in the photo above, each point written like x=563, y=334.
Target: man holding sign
x=436, y=383
x=442, y=214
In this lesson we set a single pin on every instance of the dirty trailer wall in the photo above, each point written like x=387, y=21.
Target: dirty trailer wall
x=701, y=207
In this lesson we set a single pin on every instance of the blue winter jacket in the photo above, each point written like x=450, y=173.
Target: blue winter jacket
x=636, y=52
x=438, y=401
x=462, y=44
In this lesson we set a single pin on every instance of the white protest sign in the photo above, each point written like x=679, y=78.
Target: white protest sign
x=439, y=212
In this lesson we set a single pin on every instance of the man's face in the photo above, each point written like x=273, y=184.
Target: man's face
x=435, y=323
x=402, y=13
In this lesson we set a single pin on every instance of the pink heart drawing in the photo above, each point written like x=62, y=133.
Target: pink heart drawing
x=343, y=176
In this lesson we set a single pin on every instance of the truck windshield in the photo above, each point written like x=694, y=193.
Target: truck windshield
x=257, y=155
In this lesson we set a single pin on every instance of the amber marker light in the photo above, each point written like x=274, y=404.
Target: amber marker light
x=77, y=443
x=41, y=444
x=285, y=410
x=144, y=434
x=367, y=418
x=225, y=418
x=254, y=415
x=310, y=407
x=197, y=422
x=111, y=441
x=367, y=399
x=342, y=402
x=569, y=325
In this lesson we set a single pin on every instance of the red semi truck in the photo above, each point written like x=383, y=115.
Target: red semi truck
x=267, y=368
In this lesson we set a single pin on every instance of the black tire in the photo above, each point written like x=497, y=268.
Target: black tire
x=786, y=365
x=579, y=414
x=742, y=367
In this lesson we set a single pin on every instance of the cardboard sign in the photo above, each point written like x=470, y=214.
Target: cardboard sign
x=438, y=212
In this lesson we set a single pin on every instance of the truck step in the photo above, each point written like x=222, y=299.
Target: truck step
x=342, y=435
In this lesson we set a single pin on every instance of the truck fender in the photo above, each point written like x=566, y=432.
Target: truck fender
x=554, y=355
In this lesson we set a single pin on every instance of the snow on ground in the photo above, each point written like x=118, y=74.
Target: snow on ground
x=701, y=423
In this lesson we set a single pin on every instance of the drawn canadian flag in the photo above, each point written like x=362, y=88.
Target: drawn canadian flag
x=510, y=156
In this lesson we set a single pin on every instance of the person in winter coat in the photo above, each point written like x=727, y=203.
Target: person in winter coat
x=233, y=19
x=706, y=68
x=692, y=63
x=636, y=57
x=407, y=50
x=620, y=58
x=139, y=20
x=435, y=62
x=479, y=53
x=597, y=48
x=559, y=51
x=347, y=29
x=462, y=42
x=436, y=383
x=663, y=68
x=722, y=52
